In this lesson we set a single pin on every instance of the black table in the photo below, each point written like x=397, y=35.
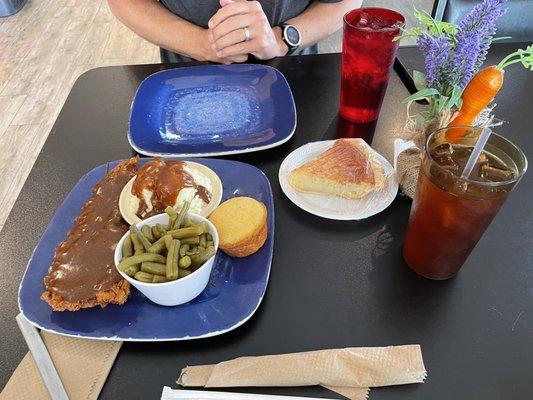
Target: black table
x=333, y=284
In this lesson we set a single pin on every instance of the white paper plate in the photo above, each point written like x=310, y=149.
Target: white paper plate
x=335, y=207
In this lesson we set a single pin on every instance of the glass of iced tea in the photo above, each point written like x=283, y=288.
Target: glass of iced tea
x=368, y=53
x=450, y=213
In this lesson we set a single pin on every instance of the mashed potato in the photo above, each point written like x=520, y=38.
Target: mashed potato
x=197, y=204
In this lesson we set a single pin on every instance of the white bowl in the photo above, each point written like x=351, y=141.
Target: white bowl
x=182, y=290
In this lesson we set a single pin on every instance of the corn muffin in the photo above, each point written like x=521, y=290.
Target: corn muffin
x=242, y=227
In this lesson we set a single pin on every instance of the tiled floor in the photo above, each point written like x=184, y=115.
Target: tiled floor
x=43, y=50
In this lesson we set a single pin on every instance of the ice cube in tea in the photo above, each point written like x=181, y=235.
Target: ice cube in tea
x=443, y=155
x=488, y=167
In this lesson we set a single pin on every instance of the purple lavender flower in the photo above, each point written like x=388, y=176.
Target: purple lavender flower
x=483, y=16
x=453, y=57
x=481, y=20
x=463, y=62
x=435, y=50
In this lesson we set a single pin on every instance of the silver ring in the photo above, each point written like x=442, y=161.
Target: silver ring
x=246, y=33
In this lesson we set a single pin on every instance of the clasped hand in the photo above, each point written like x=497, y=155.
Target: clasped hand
x=240, y=28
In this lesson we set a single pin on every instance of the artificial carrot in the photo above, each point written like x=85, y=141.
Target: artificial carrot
x=482, y=89
x=477, y=95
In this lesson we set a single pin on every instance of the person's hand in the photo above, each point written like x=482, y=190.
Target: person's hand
x=209, y=54
x=228, y=33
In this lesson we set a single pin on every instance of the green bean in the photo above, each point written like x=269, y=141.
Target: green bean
x=184, y=248
x=147, y=232
x=158, y=246
x=203, y=240
x=127, y=247
x=139, y=258
x=208, y=237
x=172, y=260
x=172, y=215
x=168, y=241
x=146, y=244
x=137, y=244
x=161, y=229
x=144, y=277
x=200, y=258
x=191, y=240
x=170, y=211
x=184, y=262
x=136, y=253
x=132, y=270
x=188, y=224
x=155, y=233
x=184, y=272
x=135, y=267
x=182, y=233
x=181, y=216
x=153, y=268
x=209, y=243
x=159, y=279
x=192, y=250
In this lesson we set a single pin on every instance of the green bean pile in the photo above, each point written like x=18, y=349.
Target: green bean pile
x=162, y=254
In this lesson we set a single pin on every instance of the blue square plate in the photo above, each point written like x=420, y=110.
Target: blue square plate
x=211, y=110
x=235, y=290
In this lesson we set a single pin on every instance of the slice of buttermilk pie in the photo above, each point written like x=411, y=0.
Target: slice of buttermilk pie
x=348, y=169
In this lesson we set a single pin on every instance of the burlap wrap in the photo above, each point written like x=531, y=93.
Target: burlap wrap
x=407, y=169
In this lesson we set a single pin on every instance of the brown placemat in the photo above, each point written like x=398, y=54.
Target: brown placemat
x=82, y=364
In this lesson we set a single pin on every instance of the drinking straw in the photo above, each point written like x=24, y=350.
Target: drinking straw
x=478, y=148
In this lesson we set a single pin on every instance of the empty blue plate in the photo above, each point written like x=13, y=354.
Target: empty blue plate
x=211, y=110
x=234, y=292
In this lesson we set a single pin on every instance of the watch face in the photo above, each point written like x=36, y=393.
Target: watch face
x=292, y=35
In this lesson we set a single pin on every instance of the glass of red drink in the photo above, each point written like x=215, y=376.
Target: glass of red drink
x=450, y=213
x=368, y=53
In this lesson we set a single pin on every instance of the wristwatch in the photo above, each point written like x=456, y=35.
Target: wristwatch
x=291, y=36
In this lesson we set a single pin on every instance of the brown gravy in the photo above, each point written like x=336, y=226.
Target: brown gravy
x=164, y=179
x=83, y=264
